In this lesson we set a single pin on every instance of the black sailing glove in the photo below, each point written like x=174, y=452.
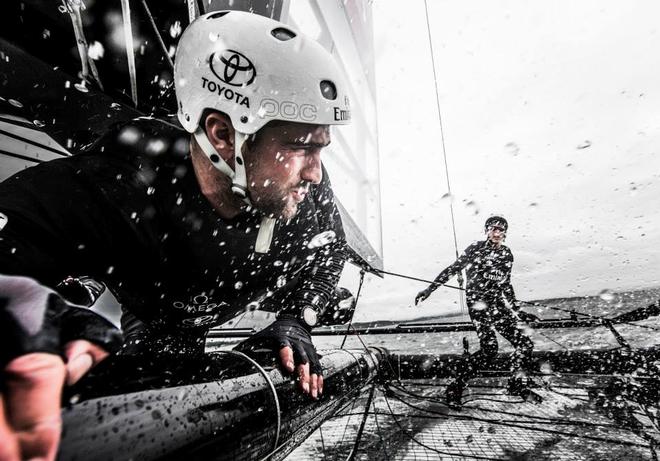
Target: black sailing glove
x=34, y=318
x=286, y=332
x=422, y=295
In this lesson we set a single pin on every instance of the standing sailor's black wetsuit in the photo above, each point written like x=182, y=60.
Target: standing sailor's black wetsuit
x=130, y=213
x=488, y=268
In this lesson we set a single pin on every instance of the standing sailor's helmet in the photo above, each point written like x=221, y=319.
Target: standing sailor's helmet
x=498, y=221
x=256, y=69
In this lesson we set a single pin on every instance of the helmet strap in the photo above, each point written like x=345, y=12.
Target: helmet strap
x=216, y=160
x=237, y=175
x=239, y=180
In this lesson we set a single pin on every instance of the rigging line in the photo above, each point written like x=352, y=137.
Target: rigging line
x=341, y=441
x=550, y=339
x=442, y=139
x=365, y=415
x=73, y=7
x=349, y=399
x=130, y=51
x=271, y=385
x=371, y=355
x=379, y=432
x=414, y=439
x=352, y=402
x=654, y=421
x=540, y=419
x=357, y=297
x=159, y=38
x=513, y=424
x=418, y=279
x=521, y=426
x=344, y=406
x=322, y=440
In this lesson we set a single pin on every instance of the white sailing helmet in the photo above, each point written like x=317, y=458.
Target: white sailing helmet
x=254, y=69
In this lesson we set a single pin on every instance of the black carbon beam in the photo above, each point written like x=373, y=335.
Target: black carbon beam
x=219, y=406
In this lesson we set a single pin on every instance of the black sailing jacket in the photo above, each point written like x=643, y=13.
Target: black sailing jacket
x=129, y=213
x=488, y=272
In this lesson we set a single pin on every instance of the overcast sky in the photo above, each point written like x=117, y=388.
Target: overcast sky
x=551, y=114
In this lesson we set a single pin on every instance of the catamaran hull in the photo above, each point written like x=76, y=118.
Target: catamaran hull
x=234, y=416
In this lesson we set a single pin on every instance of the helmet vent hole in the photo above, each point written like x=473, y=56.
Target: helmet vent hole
x=214, y=158
x=328, y=90
x=217, y=14
x=282, y=34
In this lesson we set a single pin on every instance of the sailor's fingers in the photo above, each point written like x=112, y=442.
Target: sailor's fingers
x=304, y=377
x=320, y=384
x=286, y=358
x=81, y=356
x=33, y=391
x=8, y=441
x=314, y=386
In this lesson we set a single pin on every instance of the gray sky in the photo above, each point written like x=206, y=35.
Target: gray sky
x=551, y=114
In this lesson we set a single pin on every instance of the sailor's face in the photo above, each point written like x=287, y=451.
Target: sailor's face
x=282, y=163
x=496, y=234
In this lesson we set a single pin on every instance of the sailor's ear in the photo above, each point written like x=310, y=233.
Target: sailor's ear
x=220, y=133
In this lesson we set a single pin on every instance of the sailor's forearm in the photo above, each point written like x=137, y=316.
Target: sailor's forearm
x=318, y=284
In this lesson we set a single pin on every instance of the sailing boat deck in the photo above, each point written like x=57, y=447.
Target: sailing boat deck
x=409, y=421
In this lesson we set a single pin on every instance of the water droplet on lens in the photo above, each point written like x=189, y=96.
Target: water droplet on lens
x=606, y=295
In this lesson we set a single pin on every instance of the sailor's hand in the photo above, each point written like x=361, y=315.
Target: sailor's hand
x=310, y=376
x=422, y=295
x=30, y=419
x=39, y=332
x=527, y=317
x=293, y=344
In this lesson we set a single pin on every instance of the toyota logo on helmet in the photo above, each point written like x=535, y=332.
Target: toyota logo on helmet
x=232, y=67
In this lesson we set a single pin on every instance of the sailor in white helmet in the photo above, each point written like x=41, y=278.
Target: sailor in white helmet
x=186, y=229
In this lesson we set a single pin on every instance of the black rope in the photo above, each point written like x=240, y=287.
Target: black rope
x=346, y=426
x=521, y=426
x=540, y=419
x=350, y=322
x=413, y=439
x=419, y=279
x=159, y=39
x=365, y=414
x=529, y=303
x=322, y=441
x=380, y=435
x=444, y=150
